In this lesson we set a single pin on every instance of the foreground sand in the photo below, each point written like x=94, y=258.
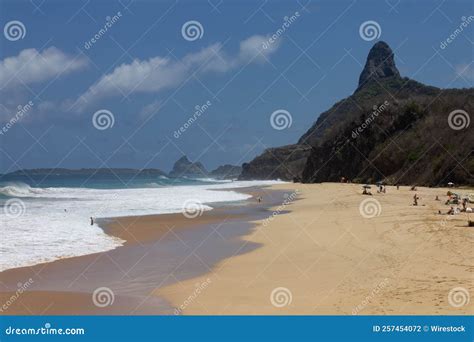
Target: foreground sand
x=159, y=249
x=324, y=257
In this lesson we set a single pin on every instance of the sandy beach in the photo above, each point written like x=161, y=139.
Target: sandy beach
x=324, y=257
x=305, y=249
x=159, y=250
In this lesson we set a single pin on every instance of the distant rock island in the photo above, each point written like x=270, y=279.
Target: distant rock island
x=182, y=168
x=185, y=168
x=392, y=128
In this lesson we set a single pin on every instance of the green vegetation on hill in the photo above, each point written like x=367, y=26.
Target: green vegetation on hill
x=391, y=128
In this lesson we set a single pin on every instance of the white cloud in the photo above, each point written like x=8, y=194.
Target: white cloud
x=160, y=73
x=252, y=46
x=32, y=66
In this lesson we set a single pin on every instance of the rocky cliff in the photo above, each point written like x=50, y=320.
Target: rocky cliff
x=391, y=128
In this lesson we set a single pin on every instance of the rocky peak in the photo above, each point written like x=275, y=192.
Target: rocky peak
x=380, y=64
x=182, y=161
x=184, y=167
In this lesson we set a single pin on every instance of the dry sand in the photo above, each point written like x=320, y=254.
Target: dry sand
x=324, y=257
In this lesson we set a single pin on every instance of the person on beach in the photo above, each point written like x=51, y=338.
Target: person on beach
x=92, y=221
x=415, y=199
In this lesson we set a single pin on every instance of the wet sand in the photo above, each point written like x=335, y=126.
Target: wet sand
x=324, y=257
x=159, y=250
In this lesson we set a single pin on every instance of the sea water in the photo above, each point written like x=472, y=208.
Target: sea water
x=45, y=218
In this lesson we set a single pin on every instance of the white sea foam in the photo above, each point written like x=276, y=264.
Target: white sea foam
x=56, y=221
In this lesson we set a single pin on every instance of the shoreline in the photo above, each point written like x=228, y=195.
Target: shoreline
x=132, y=271
x=325, y=258
x=310, y=254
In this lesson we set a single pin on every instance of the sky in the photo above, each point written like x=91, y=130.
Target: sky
x=140, y=83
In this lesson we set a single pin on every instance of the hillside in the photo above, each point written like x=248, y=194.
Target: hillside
x=286, y=162
x=391, y=128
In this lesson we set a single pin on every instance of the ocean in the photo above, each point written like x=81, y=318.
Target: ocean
x=46, y=218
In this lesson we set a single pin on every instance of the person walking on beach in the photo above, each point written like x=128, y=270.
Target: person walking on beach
x=92, y=221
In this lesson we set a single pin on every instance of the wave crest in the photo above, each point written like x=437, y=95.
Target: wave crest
x=20, y=189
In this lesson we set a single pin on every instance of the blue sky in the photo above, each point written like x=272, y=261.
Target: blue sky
x=145, y=73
